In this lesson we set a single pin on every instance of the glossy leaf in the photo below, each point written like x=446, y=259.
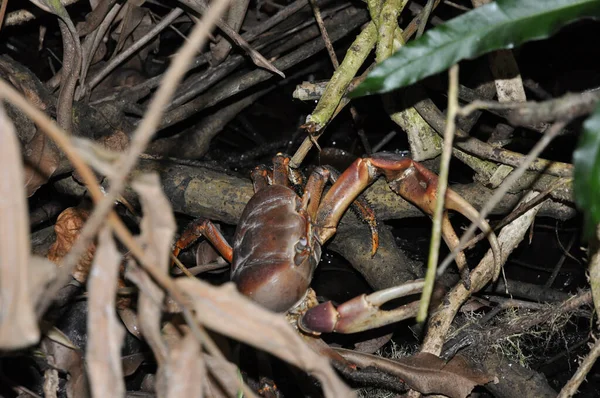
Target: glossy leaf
x=498, y=25
x=586, y=160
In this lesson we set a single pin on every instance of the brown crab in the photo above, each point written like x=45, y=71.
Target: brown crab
x=277, y=244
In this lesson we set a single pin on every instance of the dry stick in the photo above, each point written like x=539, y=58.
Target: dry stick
x=336, y=64
x=116, y=61
x=436, y=233
x=321, y=24
x=561, y=261
x=71, y=62
x=572, y=385
x=425, y=17
x=522, y=209
x=550, y=134
x=258, y=59
x=97, y=39
x=19, y=17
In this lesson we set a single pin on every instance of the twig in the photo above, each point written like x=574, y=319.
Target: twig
x=561, y=261
x=483, y=150
x=388, y=137
x=336, y=65
x=337, y=86
x=321, y=24
x=344, y=22
x=256, y=57
x=532, y=113
x=504, y=188
x=96, y=38
x=522, y=209
x=116, y=61
x=436, y=233
x=424, y=18
x=442, y=319
x=307, y=144
x=71, y=62
x=19, y=17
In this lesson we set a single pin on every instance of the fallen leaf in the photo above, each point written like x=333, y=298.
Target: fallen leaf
x=18, y=323
x=426, y=373
x=56, y=335
x=41, y=160
x=70, y=361
x=224, y=310
x=68, y=227
x=131, y=363
x=186, y=373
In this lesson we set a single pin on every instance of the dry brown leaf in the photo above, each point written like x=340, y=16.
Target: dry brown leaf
x=157, y=230
x=186, y=371
x=105, y=333
x=426, y=373
x=369, y=346
x=18, y=323
x=131, y=363
x=68, y=227
x=40, y=153
x=130, y=320
x=224, y=310
x=41, y=160
x=224, y=380
x=55, y=334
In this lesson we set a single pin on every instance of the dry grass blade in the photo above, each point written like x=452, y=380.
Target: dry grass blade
x=426, y=372
x=105, y=332
x=18, y=325
x=226, y=311
x=158, y=227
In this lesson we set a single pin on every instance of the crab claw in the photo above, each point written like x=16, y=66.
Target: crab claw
x=414, y=183
x=360, y=313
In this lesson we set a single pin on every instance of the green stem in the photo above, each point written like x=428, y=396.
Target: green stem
x=436, y=233
x=342, y=77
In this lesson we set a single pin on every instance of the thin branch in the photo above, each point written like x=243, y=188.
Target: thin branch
x=572, y=385
x=116, y=61
x=504, y=188
x=436, y=233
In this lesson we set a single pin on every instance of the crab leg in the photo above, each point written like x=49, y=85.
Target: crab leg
x=314, y=191
x=407, y=178
x=362, y=312
x=202, y=227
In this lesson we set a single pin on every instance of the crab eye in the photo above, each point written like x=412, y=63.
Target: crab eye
x=301, y=245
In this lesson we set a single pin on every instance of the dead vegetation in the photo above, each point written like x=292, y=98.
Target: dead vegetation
x=123, y=120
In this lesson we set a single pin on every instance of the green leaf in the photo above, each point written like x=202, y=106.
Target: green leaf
x=494, y=26
x=586, y=160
